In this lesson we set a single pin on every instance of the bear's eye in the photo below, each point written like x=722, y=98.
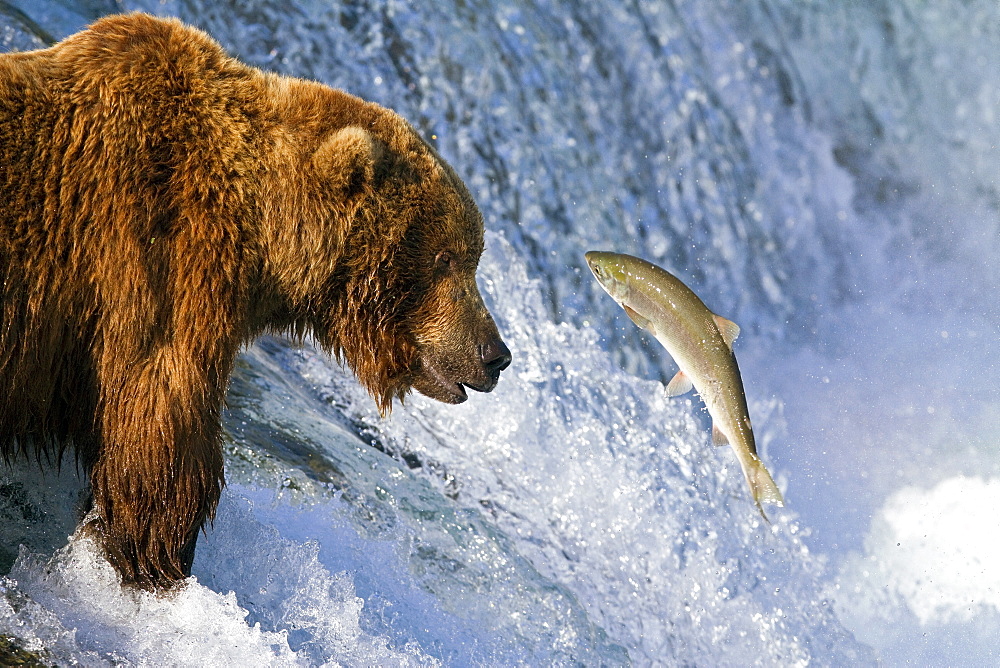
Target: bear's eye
x=443, y=260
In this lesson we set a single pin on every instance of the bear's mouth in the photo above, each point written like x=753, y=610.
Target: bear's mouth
x=438, y=379
x=443, y=388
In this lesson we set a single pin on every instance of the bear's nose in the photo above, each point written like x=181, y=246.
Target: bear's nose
x=496, y=357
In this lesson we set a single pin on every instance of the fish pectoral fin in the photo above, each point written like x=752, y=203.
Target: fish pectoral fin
x=718, y=438
x=679, y=384
x=643, y=323
x=728, y=329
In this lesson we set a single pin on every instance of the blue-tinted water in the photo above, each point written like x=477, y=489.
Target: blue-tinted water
x=821, y=173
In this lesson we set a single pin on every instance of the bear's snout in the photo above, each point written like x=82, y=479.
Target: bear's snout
x=444, y=374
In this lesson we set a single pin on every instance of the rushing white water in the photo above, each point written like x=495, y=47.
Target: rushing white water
x=821, y=173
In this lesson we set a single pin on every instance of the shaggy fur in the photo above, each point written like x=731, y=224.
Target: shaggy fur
x=162, y=204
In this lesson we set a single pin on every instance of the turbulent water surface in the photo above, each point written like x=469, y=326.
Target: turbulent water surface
x=822, y=173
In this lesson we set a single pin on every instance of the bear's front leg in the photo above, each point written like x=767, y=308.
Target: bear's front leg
x=159, y=472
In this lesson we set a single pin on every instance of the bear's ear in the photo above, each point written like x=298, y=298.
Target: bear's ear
x=345, y=161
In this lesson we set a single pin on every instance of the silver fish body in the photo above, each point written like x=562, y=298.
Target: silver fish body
x=700, y=343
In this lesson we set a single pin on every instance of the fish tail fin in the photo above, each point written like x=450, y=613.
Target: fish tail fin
x=762, y=486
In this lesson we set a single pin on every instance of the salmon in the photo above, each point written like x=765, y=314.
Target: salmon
x=701, y=344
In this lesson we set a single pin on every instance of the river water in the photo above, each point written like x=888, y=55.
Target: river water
x=822, y=173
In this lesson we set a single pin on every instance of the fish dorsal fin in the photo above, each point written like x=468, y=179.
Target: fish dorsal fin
x=679, y=384
x=718, y=438
x=727, y=328
x=642, y=322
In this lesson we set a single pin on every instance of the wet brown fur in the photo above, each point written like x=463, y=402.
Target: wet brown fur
x=161, y=205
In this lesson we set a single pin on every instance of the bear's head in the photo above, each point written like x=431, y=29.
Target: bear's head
x=392, y=289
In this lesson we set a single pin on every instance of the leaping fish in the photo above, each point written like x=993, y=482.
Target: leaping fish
x=701, y=344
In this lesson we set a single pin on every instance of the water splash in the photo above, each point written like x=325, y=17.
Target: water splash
x=820, y=173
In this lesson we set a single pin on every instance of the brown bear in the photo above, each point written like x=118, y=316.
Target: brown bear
x=162, y=204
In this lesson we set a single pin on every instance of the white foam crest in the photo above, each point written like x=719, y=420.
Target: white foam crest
x=928, y=548
x=928, y=582
x=71, y=607
x=285, y=583
x=190, y=626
